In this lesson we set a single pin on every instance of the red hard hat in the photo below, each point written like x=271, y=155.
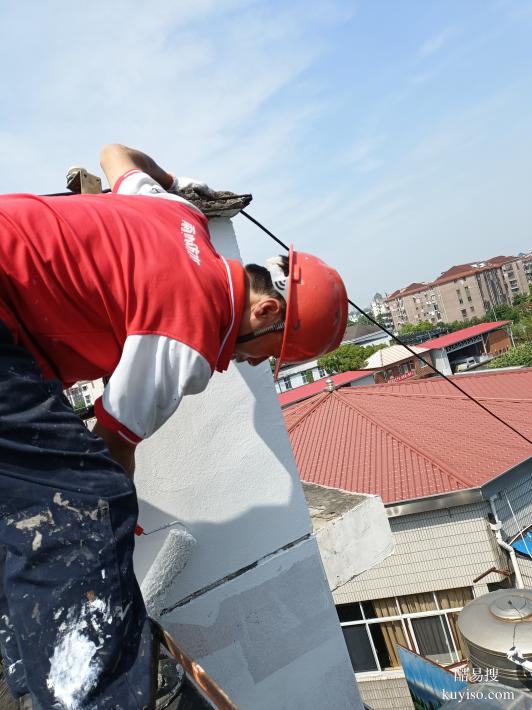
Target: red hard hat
x=316, y=310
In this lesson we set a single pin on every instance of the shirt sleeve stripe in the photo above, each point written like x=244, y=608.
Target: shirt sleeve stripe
x=109, y=422
x=121, y=179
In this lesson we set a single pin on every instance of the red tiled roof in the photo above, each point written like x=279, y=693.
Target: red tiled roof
x=415, y=438
x=411, y=288
x=463, y=334
x=299, y=393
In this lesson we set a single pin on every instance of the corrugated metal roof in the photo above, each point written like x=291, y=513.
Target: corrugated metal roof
x=412, y=439
x=389, y=356
x=299, y=393
x=463, y=334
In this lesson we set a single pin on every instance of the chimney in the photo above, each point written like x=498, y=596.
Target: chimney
x=330, y=385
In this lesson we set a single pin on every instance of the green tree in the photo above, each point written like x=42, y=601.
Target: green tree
x=522, y=330
x=504, y=312
x=520, y=355
x=347, y=357
x=421, y=327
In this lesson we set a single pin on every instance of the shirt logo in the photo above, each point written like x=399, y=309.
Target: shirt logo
x=188, y=231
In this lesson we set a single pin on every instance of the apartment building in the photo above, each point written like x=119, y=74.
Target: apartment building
x=381, y=309
x=462, y=292
x=526, y=260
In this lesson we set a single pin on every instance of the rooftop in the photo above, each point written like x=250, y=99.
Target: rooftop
x=463, y=334
x=359, y=330
x=321, y=385
x=412, y=439
x=391, y=355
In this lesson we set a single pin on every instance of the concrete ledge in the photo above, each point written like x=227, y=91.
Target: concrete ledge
x=352, y=531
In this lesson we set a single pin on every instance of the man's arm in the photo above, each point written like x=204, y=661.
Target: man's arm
x=117, y=159
x=121, y=452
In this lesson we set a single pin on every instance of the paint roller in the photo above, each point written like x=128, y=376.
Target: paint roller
x=170, y=561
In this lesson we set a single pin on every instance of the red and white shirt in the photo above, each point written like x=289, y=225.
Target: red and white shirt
x=126, y=283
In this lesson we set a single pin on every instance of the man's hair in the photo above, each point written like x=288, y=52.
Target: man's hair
x=261, y=280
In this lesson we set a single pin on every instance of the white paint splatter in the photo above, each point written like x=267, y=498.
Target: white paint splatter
x=37, y=541
x=34, y=521
x=11, y=669
x=73, y=670
x=74, y=667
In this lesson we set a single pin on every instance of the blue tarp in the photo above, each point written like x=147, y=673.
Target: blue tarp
x=523, y=546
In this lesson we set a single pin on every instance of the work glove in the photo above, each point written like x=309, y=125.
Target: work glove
x=181, y=183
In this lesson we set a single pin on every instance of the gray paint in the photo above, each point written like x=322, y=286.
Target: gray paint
x=272, y=636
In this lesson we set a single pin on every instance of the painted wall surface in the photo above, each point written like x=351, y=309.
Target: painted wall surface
x=259, y=617
x=355, y=541
x=271, y=636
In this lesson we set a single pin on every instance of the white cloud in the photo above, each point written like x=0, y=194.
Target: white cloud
x=436, y=43
x=363, y=154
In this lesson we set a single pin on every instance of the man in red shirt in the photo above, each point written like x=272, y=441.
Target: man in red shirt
x=126, y=284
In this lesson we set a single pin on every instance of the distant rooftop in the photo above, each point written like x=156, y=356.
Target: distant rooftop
x=389, y=356
x=299, y=393
x=359, y=330
x=463, y=334
x=412, y=439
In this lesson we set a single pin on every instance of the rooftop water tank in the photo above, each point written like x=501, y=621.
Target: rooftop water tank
x=491, y=625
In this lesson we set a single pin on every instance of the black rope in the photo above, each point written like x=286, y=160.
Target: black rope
x=398, y=340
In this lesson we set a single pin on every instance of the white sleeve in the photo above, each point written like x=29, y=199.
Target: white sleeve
x=153, y=374
x=135, y=182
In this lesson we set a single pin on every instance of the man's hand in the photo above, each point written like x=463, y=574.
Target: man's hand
x=181, y=183
x=122, y=452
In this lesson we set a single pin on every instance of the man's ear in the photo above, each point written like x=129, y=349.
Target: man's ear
x=267, y=309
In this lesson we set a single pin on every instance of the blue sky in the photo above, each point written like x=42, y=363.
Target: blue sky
x=391, y=137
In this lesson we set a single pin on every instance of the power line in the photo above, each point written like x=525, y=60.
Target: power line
x=400, y=342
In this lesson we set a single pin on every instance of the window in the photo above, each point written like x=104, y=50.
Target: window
x=286, y=382
x=469, y=299
x=425, y=623
x=472, y=309
x=464, y=313
x=308, y=377
x=460, y=300
x=433, y=638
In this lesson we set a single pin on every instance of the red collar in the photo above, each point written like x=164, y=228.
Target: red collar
x=236, y=285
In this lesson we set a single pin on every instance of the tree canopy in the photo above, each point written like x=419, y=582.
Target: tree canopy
x=347, y=357
x=520, y=355
x=408, y=328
